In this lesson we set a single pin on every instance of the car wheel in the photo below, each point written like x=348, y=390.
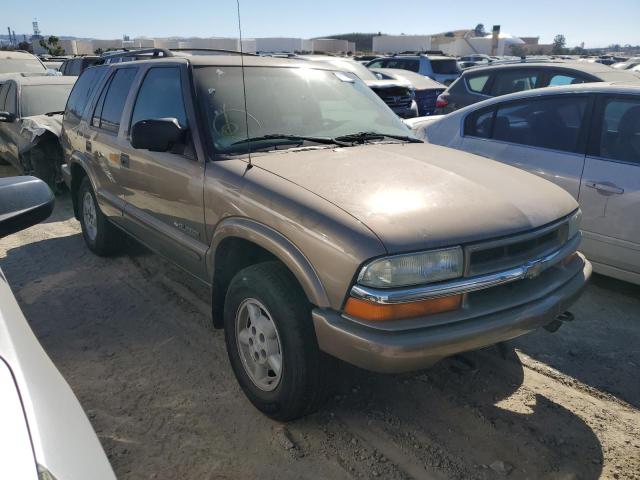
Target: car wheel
x=42, y=159
x=99, y=234
x=271, y=342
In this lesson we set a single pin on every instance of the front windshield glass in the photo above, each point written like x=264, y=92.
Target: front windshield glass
x=21, y=65
x=292, y=101
x=41, y=99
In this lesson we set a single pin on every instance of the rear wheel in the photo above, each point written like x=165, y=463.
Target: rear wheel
x=271, y=342
x=99, y=234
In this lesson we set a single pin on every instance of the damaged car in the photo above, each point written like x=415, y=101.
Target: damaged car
x=31, y=122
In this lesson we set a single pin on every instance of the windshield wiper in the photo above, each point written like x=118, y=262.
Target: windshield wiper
x=362, y=137
x=51, y=114
x=292, y=139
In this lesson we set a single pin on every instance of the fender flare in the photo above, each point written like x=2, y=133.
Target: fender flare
x=278, y=245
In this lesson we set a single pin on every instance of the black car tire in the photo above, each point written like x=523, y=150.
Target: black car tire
x=99, y=234
x=304, y=368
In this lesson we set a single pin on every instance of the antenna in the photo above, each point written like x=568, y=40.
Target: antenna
x=244, y=85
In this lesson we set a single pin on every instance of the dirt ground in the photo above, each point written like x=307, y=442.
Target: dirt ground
x=133, y=338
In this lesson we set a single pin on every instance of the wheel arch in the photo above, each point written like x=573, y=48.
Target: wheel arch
x=79, y=170
x=241, y=242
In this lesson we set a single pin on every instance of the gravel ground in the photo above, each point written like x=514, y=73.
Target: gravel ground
x=133, y=338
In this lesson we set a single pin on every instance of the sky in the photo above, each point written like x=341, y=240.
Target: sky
x=594, y=22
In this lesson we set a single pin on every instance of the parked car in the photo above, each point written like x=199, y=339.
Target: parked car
x=426, y=90
x=437, y=67
x=627, y=65
x=480, y=83
x=399, y=95
x=17, y=61
x=478, y=58
x=584, y=138
x=75, y=66
x=323, y=227
x=45, y=433
x=30, y=124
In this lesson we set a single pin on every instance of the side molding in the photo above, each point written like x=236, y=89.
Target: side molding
x=278, y=245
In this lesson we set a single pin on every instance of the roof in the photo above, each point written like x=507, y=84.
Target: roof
x=44, y=80
x=586, y=67
x=596, y=87
x=16, y=54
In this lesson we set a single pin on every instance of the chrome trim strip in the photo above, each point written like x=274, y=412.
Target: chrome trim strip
x=460, y=286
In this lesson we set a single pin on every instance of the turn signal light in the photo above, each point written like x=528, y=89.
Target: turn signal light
x=376, y=312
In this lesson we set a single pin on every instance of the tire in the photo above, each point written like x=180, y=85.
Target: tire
x=99, y=234
x=301, y=386
x=43, y=163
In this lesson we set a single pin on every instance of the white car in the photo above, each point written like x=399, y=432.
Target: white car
x=44, y=433
x=585, y=138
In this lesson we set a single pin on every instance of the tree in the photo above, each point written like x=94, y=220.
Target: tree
x=479, y=30
x=25, y=46
x=52, y=46
x=518, y=51
x=559, y=42
x=98, y=51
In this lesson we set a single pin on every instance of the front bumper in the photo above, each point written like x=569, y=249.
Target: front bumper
x=399, y=350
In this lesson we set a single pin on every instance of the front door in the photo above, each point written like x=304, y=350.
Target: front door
x=610, y=193
x=164, y=190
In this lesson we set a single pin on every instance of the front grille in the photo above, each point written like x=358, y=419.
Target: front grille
x=510, y=252
x=426, y=100
x=395, y=97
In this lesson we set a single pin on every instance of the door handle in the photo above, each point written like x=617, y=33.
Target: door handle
x=606, y=188
x=124, y=160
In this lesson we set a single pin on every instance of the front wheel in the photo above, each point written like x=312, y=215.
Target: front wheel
x=271, y=342
x=99, y=234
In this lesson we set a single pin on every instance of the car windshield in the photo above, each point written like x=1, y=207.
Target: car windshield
x=41, y=99
x=20, y=65
x=445, y=66
x=302, y=102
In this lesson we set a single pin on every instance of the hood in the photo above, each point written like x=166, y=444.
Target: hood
x=419, y=196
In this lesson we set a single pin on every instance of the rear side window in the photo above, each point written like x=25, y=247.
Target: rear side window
x=160, y=96
x=74, y=68
x=404, y=64
x=553, y=123
x=445, y=67
x=477, y=83
x=620, y=133
x=10, y=103
x=4, y=89
x=81, y=93
x=514, y=81
x=109, y=109
x=559, y=79
x=479, y=124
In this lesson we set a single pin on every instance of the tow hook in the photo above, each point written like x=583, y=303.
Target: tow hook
x=557, y=323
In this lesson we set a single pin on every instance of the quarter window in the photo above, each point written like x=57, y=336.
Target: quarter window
x=160, y=96
x=112, y=105
x=477, y=83
x=479, y=124
x=552, y=123
x=559, y=79
x=620, y=135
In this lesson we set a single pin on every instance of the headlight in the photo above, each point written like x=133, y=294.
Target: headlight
x=574, y=223
x=413, y=269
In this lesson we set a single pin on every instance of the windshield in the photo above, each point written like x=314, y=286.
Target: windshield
x=445, y=66
x=20, y=65
x=40, y=99
x=301, y=102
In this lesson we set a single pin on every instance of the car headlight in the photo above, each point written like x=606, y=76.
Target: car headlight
x=413, y=268
x=574, y=223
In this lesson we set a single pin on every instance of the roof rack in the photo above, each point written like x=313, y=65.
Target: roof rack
x=420, y=52
x=213, y=50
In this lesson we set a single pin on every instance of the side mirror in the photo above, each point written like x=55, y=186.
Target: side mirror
x=24, y=201
x=7, y=117
x=157, y=135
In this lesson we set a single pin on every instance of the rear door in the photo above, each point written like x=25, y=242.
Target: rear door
x=610, y=193
x=164, y=190
x=545, y=136
x=103, y=143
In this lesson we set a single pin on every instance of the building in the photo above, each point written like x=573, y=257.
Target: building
x=401, y=43
x=105, y=45
x=329, y=45
x=280, y=44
